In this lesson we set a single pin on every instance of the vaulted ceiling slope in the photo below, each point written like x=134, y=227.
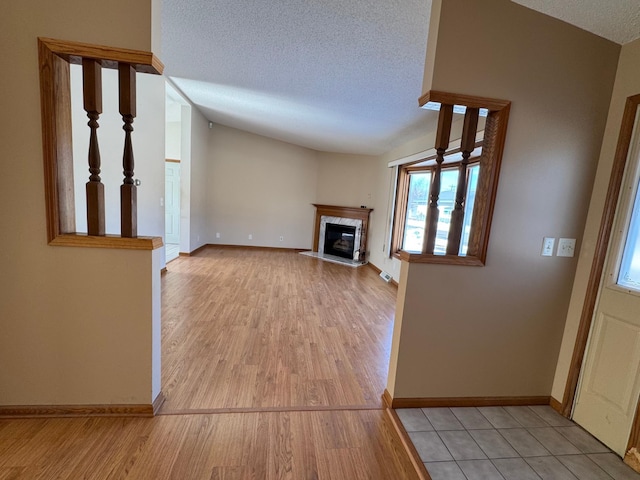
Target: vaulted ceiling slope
x=615, y=20
x=331, y=75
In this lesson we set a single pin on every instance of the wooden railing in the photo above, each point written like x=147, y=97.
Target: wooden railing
x=495, y=129
x=55, y=56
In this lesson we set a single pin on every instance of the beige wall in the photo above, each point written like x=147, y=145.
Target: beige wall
x=627, y=83
x=76, y=323
x=496, y=330
x=261, y=187
x=346, y=180
x=380, y=235
x=198, y=214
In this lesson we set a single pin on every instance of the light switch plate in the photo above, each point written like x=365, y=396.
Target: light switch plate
x=566, y=247
x=547, y=246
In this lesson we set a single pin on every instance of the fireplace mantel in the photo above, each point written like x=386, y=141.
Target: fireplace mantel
x=344, y=212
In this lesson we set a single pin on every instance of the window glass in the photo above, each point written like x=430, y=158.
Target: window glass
x=472, y=185
x=629, y=275
x=416, y=194
x=446, y=202
x=417, y=200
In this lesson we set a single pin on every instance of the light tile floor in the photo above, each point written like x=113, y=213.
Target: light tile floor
x=508, y=443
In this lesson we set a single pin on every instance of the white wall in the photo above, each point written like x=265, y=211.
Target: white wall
x=173, y=136
x=261, y=187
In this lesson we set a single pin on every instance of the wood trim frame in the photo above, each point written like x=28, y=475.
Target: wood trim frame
x=467, y=401
x=357, y=213
x=495, y=132
x=54, y=57
x=66, y=411
x=400, y=211
x=55, y=411
x=248, y=247
x=556, y=405
x=110, y=57
x=379, y=271
x=107, y=241
x=410, y=449
x=597, y=265
x=158, y=402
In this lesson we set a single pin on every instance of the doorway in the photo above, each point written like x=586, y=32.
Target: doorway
x=172, y=209
x=177, y=168
x=609, y=387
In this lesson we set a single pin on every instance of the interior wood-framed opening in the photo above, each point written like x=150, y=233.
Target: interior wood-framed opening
x=598, y=263
x=55, y=58
x=492, y=148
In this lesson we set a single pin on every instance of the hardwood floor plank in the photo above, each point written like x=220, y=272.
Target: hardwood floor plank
x=273, y=367
x=269, y=445
x=315, y=333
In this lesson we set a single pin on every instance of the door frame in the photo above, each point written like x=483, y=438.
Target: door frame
x=179, y=162
x=597, y=265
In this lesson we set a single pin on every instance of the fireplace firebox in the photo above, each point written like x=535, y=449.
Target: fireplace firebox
x=339, y=240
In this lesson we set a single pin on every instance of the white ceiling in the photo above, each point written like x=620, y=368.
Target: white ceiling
x=616, y=20
x=331, y=75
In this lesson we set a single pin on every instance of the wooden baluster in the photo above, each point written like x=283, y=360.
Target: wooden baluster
x=467, y=146
x=442, y=143
x=92, y=95
x=128, y=190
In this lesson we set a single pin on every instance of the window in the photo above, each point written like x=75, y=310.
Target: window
x=445, y=199
x=418, y=186
x=629, y=275
x=418, y=196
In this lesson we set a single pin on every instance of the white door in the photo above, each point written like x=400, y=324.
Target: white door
x=172, y=202
x=610, y=383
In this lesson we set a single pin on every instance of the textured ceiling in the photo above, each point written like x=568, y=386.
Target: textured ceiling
x=332, y=75
x=616, y=20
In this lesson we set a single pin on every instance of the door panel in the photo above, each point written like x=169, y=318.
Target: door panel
x=172, y=202
x=610, y=382
x=616, y=340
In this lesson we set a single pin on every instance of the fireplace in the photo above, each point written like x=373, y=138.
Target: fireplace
x=342, y=222
x=339, y=240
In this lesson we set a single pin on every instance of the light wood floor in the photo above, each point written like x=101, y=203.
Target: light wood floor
x=273, y=366
x=248, y=446
x=267, y=328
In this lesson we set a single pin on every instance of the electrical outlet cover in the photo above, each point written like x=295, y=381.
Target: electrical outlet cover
x=566, y=247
